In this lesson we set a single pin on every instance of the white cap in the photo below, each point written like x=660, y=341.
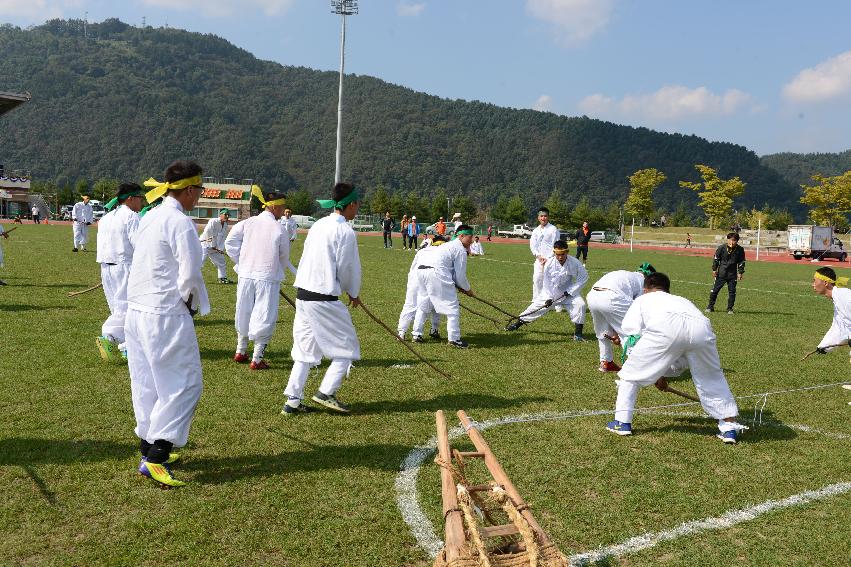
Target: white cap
x=413, y=217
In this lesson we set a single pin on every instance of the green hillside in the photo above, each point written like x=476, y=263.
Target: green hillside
x=127, y=103
x=798, y=169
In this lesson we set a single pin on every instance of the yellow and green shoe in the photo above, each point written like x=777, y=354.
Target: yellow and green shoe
x=159, y=472
x=108, y=349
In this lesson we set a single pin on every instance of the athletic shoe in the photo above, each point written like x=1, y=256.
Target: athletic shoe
x=435, y=334
x=608, y=366
x=173, y=457
x=579, y=338
x=260, y=365
x=417, y=339
x=728, y=437
x=330, y=402
x=401, y=334
x=240, y=357
x=73, y=250
x=460, y=343
x=515, y=325
x=159, y=472
x=3, y=283
x=729, y=312
x=708, y=310
x=108, y=349
x=559, y=308
x=847, y=386
x=620, y=428
x=225, y=281
x=301, y=408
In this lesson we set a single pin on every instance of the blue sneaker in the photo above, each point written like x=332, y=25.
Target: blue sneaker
x=620, y=428
x=729, y=437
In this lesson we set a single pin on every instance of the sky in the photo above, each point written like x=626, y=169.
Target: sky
x=771, y=75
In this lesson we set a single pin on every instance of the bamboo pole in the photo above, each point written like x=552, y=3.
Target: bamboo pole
x=287, y=298
x=681, y=394
x=497, y=307
x=87, y=290
x=454, y=522
x=501, y=478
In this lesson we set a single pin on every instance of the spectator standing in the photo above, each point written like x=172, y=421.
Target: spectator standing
x=289, y=223
x=583, y=237
x=688, y=240
x=490, y=232
x=440, y=227
x=403, y=231
x=387, y=226
x=413, y=233
x=36, y=215
x=728, y=267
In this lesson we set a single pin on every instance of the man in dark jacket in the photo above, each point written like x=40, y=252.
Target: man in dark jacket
x=583, y=236
x=387, y=226
x=728, y=267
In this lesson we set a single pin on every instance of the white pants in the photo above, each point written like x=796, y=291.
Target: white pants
x=575, y=307
x=114, y=279
x=257, y=309
x=437, y=296
x=688, y=343
x=409, y=310
x=165, y=374
x=81, y=234
x=321, y=329
x=537, y=279
x=217, y=259
x=1, y=256
x=608, y=309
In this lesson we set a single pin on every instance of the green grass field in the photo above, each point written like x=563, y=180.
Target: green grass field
x=320, y=489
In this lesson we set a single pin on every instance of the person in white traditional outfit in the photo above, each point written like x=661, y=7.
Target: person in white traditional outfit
x=412, y=293
x=441, y=273
x=116, y=231
x=674, y=336
x=826, y=283
x=260, y=249
x=213, y=244
x=5, y=235
x=165, y=290
x=82, y=216
x=562, y=280
x=541, y=244
x=608, y=300
x=476, y=248
x=329, y=266
x=289, y=224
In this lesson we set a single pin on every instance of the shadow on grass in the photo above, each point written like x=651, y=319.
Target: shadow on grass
x=500, y=340
x=15, y=307
x=448, y=402
x=770, y=430
x=207, y=322
x=35, y=451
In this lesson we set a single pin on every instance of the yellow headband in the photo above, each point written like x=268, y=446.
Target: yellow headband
x=839, y=281
x=159, y=189
x=560, y=250
x=258, y=192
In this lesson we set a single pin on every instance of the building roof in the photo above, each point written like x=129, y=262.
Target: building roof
x=9, y=101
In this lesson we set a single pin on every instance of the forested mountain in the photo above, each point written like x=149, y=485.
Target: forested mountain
x=798, y=169
x=127, y=103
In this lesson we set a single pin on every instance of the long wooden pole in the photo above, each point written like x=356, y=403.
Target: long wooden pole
x=454, y=522
x=402, y=342
x=682, y=394
x=498, y=308
x=287, y=298
x=500, y=477
x=87, y=290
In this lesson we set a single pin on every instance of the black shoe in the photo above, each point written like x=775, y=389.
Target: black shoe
x=3, y=283
x=417, y=339
x=515, y=325
x=460, y=343
x=290, y=410
x=225, y=281
x=74, y=250
x=435, y=334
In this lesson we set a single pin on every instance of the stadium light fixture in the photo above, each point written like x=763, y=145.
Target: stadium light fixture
x=343, y=8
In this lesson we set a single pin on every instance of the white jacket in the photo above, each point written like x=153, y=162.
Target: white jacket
x=260, y=248
x=116, y=231
x=560, y=279
x=82, y=212
x=214, y=234
x=330, y=263
x=542, y=240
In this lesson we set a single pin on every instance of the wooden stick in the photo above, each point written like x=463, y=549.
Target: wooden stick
x=454, y=523
x=13, y=229
x=497, y=307
x=499, y=324
x=286, y=298
x=806, y=356
x=682, y=394
x=87, y=290
x=501, y=478
x=406, y=345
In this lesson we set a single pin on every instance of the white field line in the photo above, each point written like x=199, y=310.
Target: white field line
x=726, y=520
x=423, y=531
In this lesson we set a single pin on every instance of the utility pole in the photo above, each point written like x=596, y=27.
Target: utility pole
x=343, y=8
x=85, y=26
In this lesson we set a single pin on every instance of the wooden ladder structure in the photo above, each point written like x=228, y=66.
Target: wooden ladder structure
x=456, y=541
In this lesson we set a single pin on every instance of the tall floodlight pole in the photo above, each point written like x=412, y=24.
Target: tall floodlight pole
x=343, y=8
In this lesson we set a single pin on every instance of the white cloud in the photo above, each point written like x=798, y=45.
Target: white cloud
x=671, y=102
x=41, y=9
x=828, y=80
x=410, y=10
x=575, y=20
x=222, y=8
x=544, y=103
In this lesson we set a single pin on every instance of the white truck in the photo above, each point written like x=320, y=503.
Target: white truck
x=519, y=231
x=816, y=242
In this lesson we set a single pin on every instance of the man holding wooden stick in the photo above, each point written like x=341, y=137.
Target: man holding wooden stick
x=260, y=249
x=116, y=231
x=165, y=290
x=329, y=266
x=413, y=292
x=675, y=336
x=213, y=244
x=826, y=283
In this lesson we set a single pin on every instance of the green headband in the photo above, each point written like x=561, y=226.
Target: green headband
x=111, y=204
x=468, y=231
x=646, y=268
x=224, y=212
x=341, y=204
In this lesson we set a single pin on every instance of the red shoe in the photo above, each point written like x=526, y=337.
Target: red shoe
x=240, y=358
x=616, y=340
x=258, y=365
x=608, y=366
